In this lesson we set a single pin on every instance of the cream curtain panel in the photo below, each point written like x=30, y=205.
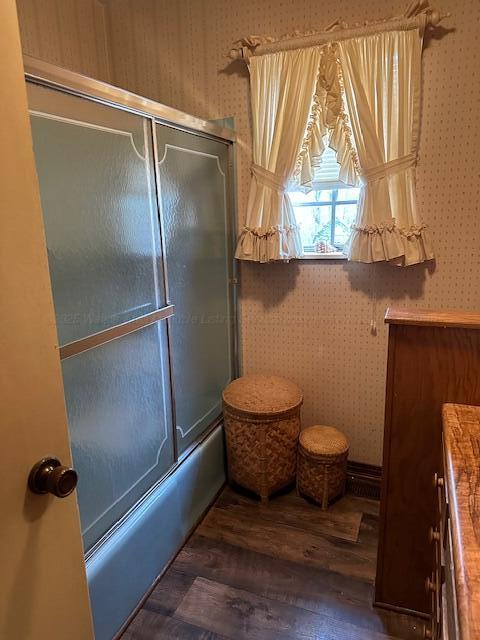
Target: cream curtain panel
x=282, y=86
x=381, y=77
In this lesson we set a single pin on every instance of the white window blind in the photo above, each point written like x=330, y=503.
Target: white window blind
x=326, y=174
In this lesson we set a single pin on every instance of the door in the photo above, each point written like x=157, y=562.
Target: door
x=43, y=588
x=97, y=187
x=193, y=192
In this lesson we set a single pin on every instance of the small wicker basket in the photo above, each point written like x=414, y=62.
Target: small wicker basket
x=262, y=423
x=322, y=464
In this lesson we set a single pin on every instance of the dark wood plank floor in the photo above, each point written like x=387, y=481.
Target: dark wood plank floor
x=285, y=571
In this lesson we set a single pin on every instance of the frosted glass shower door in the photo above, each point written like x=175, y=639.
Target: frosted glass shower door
x=97, y=186
x=193, y=191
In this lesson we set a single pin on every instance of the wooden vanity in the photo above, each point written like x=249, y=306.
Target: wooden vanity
x=455, y=582
x=433, y=358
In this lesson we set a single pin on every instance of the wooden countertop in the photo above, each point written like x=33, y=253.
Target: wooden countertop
x=432, y=318
x=461, y=431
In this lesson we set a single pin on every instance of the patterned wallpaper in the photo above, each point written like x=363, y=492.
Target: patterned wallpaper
x=311, y=320
x=70, y=33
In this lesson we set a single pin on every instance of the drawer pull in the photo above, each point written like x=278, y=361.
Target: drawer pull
x=430, y=585
x=437, y=481
x=433, y=534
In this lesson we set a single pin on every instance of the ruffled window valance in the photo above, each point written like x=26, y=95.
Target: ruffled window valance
x=327, y=126
x=361, y=97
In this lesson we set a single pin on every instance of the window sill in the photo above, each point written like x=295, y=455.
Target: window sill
x=323, y=256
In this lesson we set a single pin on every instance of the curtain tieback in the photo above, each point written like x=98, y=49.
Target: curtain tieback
x=269, y=179
x=389, y=168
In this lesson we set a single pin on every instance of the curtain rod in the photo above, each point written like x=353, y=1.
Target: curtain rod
x=259, y=45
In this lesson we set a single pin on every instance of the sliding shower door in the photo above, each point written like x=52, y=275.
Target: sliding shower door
x=192, y=176
x=97, y=186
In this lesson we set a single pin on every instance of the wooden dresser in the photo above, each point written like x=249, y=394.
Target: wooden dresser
x=433, y=358
x=454, y=585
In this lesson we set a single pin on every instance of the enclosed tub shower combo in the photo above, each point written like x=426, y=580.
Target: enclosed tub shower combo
x=138, y=210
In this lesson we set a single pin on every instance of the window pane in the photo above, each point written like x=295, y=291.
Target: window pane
x=323, y=195
x=297, y=197
x=316, y=195
x=345, y=215
x=349, y=193
x=315, y=226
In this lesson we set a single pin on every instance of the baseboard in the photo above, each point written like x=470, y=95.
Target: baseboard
x=364, y=480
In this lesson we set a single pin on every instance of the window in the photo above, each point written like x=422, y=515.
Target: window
x=326, y=213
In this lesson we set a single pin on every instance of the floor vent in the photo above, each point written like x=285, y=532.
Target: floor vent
x=364, y=480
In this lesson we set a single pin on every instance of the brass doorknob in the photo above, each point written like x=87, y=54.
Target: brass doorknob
x=50, y=476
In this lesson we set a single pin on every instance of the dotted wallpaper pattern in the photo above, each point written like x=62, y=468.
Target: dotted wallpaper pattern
x=310, y=320
x=70, y=33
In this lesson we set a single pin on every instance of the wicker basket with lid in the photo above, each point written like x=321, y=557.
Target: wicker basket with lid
x=322, y=464
x=262, y=423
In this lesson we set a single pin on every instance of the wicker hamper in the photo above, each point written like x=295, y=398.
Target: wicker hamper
x=322, y=464
x=262, y=423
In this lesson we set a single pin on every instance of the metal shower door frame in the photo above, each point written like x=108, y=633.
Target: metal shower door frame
x=65, y=81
